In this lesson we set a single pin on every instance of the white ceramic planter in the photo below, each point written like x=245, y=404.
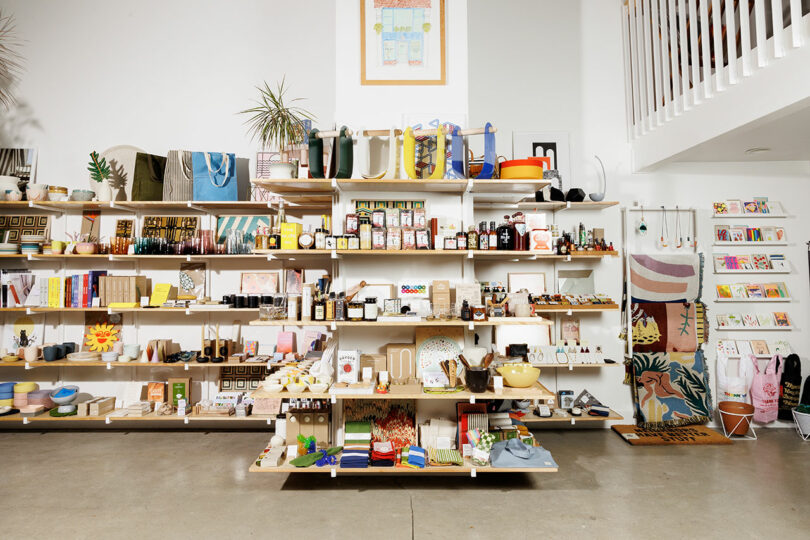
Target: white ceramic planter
x=104, y=192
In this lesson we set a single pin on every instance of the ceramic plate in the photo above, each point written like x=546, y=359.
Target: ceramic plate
x=433, y=351
x=121, y=160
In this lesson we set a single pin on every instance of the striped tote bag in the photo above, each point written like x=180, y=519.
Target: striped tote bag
x=178, y=180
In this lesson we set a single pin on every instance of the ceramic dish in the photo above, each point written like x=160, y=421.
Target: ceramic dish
x=276, y=387
x=296, y=388
x=32, y=238
x=4, y=409
x=85, y=248
x=516, y=169
x=82, y=195
x=25, y=387
x=519, y=375
x=435, y=350
x=318, y=388
x=9, y=358
x=110, y=356
x=70, y=393
x=66, y=409
x=84, y=357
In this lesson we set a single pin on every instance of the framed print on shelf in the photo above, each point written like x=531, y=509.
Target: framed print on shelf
x=402, y=42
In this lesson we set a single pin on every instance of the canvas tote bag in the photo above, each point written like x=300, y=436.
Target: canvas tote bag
x=214, y=176
x=147, y=178
x=735, y=387
x=178, y=180
x=765, y=389
x=790, y=387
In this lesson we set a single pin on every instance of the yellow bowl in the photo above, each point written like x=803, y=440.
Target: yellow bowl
x=25, y=387
x=6, y=402
x=10, y=358
x=519, y=375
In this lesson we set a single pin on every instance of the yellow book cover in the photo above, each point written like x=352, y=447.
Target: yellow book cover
x=53, y=292
x=160, y=294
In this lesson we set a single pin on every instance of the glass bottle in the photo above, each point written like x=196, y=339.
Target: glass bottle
x=320, y=310
x=370, y=309
x=466, y=313
x=274, y=239
x=506, y=235
x=330, y=307
x=483, y=237
x=461, y=240
x=320, y=238
x=493, y=236
x=472, y=238
x=340, y=307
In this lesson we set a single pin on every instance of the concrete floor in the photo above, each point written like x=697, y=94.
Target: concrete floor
x=196, y=484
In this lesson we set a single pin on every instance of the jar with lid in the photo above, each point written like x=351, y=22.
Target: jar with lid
x=354, y=242
x=466, y=312
x=331, y=241
x=274, y=239
x=352, y=224
x=370, y=309
x=355, y=311
x=343, y=242
x=479, y=313
x=365, y=236
x=306, y=240
x=461, y=240
x=320, y=238
x=320, y=310
x=472, y=238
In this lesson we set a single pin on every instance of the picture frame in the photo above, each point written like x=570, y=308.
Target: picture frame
x=124, y=228
x=19, y=162
x=403, y=42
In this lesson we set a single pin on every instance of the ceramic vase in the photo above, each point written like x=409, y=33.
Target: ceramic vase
x=104, y=191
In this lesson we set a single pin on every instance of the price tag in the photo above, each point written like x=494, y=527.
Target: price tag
x=292, y=451
x=466, y=450
x=497, y=383
x=383, y=377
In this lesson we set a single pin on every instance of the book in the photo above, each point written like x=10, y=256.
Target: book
x=738, y=234
x=759, y=261
x=750, y=320
x=720, y=208
x=750, y=207
x=781, y=318
x=754, y=290
x=765, y=320
x=723, y=291
x=738, y=290
x=733, y=207
x=760, y=347
x=722, y=233
x=744, y=348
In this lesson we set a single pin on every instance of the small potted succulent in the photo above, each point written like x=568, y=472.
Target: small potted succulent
x=100, y=172
x=278, y=126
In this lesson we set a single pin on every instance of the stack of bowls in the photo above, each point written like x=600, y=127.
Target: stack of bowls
x=31, y=243
x=109, y=356
x=82, y=195
x=57, y=193
x=21, y=391
x=8, y=248
x=64, y=396
x=7, y=394
x=37, y=192
x=40, y=397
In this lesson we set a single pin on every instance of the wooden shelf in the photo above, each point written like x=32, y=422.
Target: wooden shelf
x=467, y=469
x=116, y=364
x=573, y=365
x=753, y=328
x=115, y=416
x=752, y=299
x=552, y=206
x=748, y=216
x=414, y=391
x=133, y=206
x=747, y=243
x=556, y=308
x=190, y=310
x=505, y=321
x=532, y=418
x=468, y=253
x=110, y=257
x=768, y=271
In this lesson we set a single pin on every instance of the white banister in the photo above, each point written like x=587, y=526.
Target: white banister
x=684, y=32
x=778, y=26
x=628, y=76
x=717, y=41
x=665, y=53
x=759, y=20
x=745, y=41
x=731, y=41
x=634, y=61
x=656, y=44
x=694, y=54
x=796, y=22
x=648, y=64
x=677, y=97
x=708, y=91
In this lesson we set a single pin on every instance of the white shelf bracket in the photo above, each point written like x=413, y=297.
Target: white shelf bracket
x=333, y=254
x=185, y=419
x=109, y=366
x=470, y=254
x=270, y=257
x=107, y=420
x=25, y=421
x=333, y=399
x=269, y=421
x=471, y=326
x=472, y=399
x=473, y=473
x=333, y=472
x=27, y=365
x=570, y=312
x=333, y=326
x=185, y=366
x=28, y=311
x=188, y=311
x=573, y=421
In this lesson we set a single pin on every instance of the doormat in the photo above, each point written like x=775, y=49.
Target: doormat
x=676, y=435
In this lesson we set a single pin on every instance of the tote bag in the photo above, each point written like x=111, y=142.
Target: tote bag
x=214, y=176
x=178, y=181
x=765, y=389
x=790, y=387
x=734, y=387
x=147, y=179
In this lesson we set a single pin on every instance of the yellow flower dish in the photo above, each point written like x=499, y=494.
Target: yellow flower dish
x=519, y=375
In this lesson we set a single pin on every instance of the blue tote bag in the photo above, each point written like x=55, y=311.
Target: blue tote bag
x=214, y=176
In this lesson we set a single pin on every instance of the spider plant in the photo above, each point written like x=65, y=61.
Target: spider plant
x=274, y=122
x=10, y=59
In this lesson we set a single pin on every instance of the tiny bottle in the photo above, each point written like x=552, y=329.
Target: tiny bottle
x=493, y=236
x=461, y=240
x=274, y=239
x=370, y=309
x=483, y=237
x=506, y=235
x=472, y=238
x=320, y=239
x=330, y=307
x=466, y=313
x=340, y=307
x=320, y=310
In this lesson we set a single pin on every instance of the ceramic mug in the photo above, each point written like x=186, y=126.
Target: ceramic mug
x=132, y=350
x=118, y=347
x=60, y=351
x=477, y=380
x=37, y=192
x=57, y=247
x=31, y=353
x=13, y=195
x=49, y=353
x=70, y=347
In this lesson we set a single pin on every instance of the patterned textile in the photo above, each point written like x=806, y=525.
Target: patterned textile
x=391, y=420
x=666, y=278
x=668, y=327
x=444, y=457
x=671, y=389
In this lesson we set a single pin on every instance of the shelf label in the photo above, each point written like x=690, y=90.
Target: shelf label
x=473, y=473
x=333, y=399
x=383, y=377
x=472, y=399
x=497, y=383
x=333, y=472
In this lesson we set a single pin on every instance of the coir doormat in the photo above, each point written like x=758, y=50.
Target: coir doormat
x=676, y=435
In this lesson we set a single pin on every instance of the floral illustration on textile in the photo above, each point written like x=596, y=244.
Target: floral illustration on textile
x=671, y=388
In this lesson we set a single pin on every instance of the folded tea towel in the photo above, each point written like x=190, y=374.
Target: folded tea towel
x=445, y=456
x=513, y=453
x=416, y=456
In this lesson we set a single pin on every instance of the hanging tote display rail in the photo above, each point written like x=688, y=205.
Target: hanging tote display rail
x=344, y=147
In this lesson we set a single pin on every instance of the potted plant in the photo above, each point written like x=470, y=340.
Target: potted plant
x=100, y=172
x=278, y=126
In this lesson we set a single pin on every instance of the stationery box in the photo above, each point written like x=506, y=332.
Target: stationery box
x=377, y=362
x=179, y=388
x=101, y=406
x=289, y=235
x=401, y=362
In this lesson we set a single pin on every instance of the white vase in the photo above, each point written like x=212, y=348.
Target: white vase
x=104, y=192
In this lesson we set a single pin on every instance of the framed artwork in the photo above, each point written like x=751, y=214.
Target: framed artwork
x=16, y=226
x=259, y=282
x=22, y=331
x=101, y=331
x=91, y=225
x=551, y=144
x=402, y=42
x=293, y=281
x=124, y=228
x=174, y=228
x=569, y=329
x=192, y=281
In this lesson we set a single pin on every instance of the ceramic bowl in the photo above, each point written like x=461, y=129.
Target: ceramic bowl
x=37, y=192
x=13, y=195
x=85, y=248
x=66, y=409
x=25, y=387
x=65, y=399
x=110, y=356
x=7, y=387
x=275, y=387
x=596, y=197
x=519, y=375
x=296, y=388
x=318, y=388
x=11, y=358
x=82, y=195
